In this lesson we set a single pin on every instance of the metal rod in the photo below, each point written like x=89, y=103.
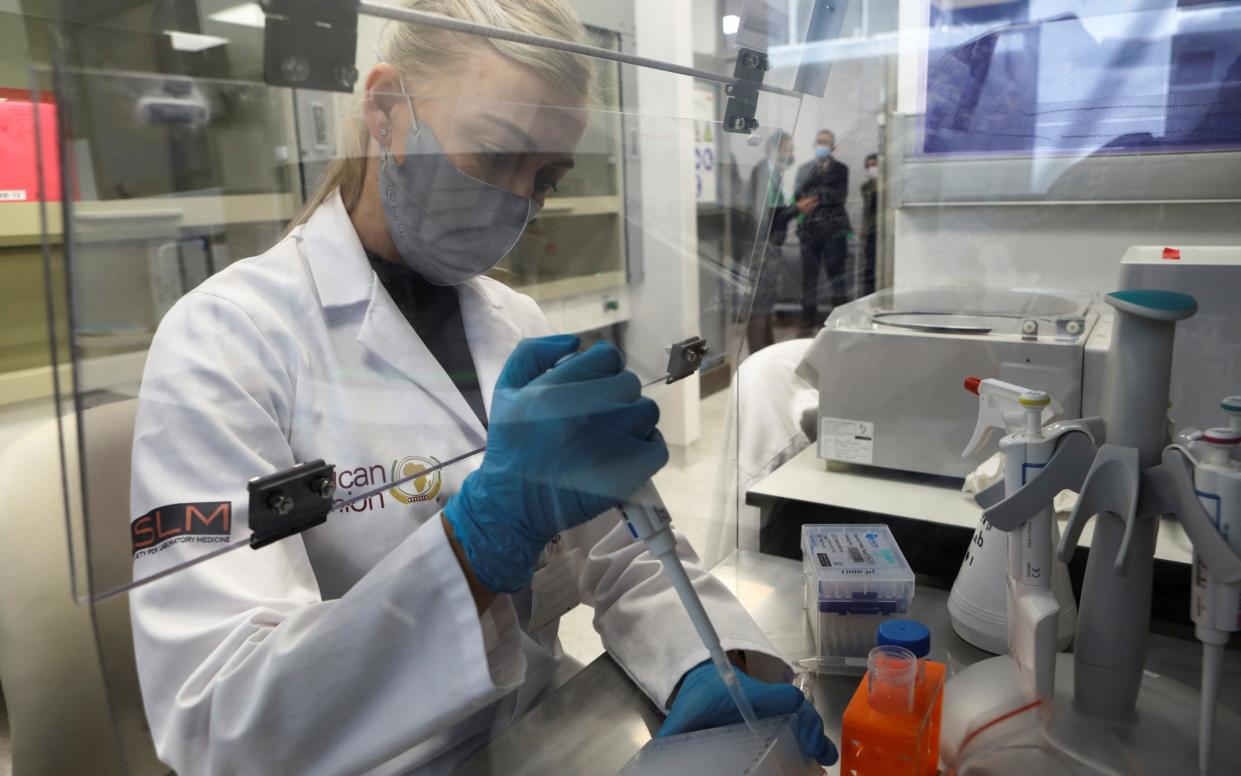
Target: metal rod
x=340, y=504
x=246, y=541
x=394, y=13
x=125, y=588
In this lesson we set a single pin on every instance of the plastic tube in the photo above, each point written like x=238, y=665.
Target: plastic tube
x=893, y=674
x=1212, y=660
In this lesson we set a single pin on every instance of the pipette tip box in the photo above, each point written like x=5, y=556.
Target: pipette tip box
x=726, y=751
x=856, y=578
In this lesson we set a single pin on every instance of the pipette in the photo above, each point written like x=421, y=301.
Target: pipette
x=1215, y=611
x=1033, y=610
x=647, y=519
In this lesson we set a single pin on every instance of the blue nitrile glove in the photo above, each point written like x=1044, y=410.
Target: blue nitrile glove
x=703, y=702
x=565, y=443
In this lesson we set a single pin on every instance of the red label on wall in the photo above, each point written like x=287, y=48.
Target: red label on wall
x=27, y=134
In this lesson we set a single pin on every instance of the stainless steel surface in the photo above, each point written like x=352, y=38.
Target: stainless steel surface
x=599, y=719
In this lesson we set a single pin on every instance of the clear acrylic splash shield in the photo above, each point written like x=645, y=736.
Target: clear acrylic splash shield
x=643, y=237
x=201, y=342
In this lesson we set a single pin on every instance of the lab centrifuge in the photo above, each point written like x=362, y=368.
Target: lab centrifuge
x=889, y=368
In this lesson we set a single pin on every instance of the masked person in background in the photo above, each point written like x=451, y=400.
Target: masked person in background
x=403, y=635
x=767, y=202
x=824, y=232
x=870, y=226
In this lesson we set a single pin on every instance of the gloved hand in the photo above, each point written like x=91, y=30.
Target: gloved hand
x=565, y=443
x=703, y=702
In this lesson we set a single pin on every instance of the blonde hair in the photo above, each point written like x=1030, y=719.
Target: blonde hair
x=420, y=51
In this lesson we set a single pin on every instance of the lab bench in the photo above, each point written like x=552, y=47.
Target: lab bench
x=932, y=522
x=597, y=721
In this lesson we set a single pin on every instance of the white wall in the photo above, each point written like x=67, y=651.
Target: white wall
x=706, y=26
x=1072, y=247
x=18, y=419
x=665, y=303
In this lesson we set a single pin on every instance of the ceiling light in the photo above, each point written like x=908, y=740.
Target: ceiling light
x=245, y=14
x=193, y=41
x=730, y=23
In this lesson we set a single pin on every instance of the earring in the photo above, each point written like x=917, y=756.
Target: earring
x=383, y=131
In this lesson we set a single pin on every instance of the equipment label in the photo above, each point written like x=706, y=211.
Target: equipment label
x=12, y=195
x=854, y=552
x=852, y=441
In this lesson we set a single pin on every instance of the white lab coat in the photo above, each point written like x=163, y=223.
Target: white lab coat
x=770, y=404
x=354, y=647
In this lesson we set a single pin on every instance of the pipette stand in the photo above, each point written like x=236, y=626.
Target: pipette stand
x=1126, y=478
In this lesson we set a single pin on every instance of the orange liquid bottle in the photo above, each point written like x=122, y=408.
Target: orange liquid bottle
x=891, y=727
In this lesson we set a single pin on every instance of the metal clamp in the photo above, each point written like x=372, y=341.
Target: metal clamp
x=290, y=501
x=310, y=44
x=685, y=358
x=743, y=93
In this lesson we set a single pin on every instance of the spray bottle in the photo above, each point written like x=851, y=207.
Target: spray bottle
x=1033, y=610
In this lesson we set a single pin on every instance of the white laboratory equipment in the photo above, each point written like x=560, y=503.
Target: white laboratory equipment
x=1011, y=593
x=1206, y=360
x=856, y=578
x=1216, y=596
x=1126, y=479
x=891, y=407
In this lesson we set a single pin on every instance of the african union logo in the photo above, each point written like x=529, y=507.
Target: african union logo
x=424, y=488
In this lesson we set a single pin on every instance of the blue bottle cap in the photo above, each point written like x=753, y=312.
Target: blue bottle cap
x=910, y=634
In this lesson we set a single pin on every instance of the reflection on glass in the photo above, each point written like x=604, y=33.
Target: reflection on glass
x=1068, y=77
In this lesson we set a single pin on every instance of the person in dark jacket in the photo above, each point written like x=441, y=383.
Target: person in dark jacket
x=825, y=230
x=771, y=214
x=870, y=212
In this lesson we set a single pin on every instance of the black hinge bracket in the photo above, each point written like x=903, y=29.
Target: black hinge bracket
x=311, y=44
x=743, y=93
x=685, y=358
x=290, y=501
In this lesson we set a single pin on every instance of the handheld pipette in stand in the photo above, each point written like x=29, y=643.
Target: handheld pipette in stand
x=1216, y=604
x=1033, y=610
x=647, y=519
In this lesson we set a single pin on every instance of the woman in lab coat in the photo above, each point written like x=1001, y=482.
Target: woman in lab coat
x=402, y=634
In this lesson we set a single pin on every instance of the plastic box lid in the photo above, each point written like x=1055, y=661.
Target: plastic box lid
x=855, y=569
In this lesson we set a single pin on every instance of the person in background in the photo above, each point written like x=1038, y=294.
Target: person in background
x=825, y=230
x=768, y=205
x=870, y=213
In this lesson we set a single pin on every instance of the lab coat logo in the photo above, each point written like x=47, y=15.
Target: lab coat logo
x=420, y=488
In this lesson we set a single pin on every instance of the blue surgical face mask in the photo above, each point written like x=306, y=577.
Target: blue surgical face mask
x=449, y=227
x=822, y=152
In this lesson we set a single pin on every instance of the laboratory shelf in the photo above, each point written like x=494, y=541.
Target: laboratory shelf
x=21, y=222
x=806, y=478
